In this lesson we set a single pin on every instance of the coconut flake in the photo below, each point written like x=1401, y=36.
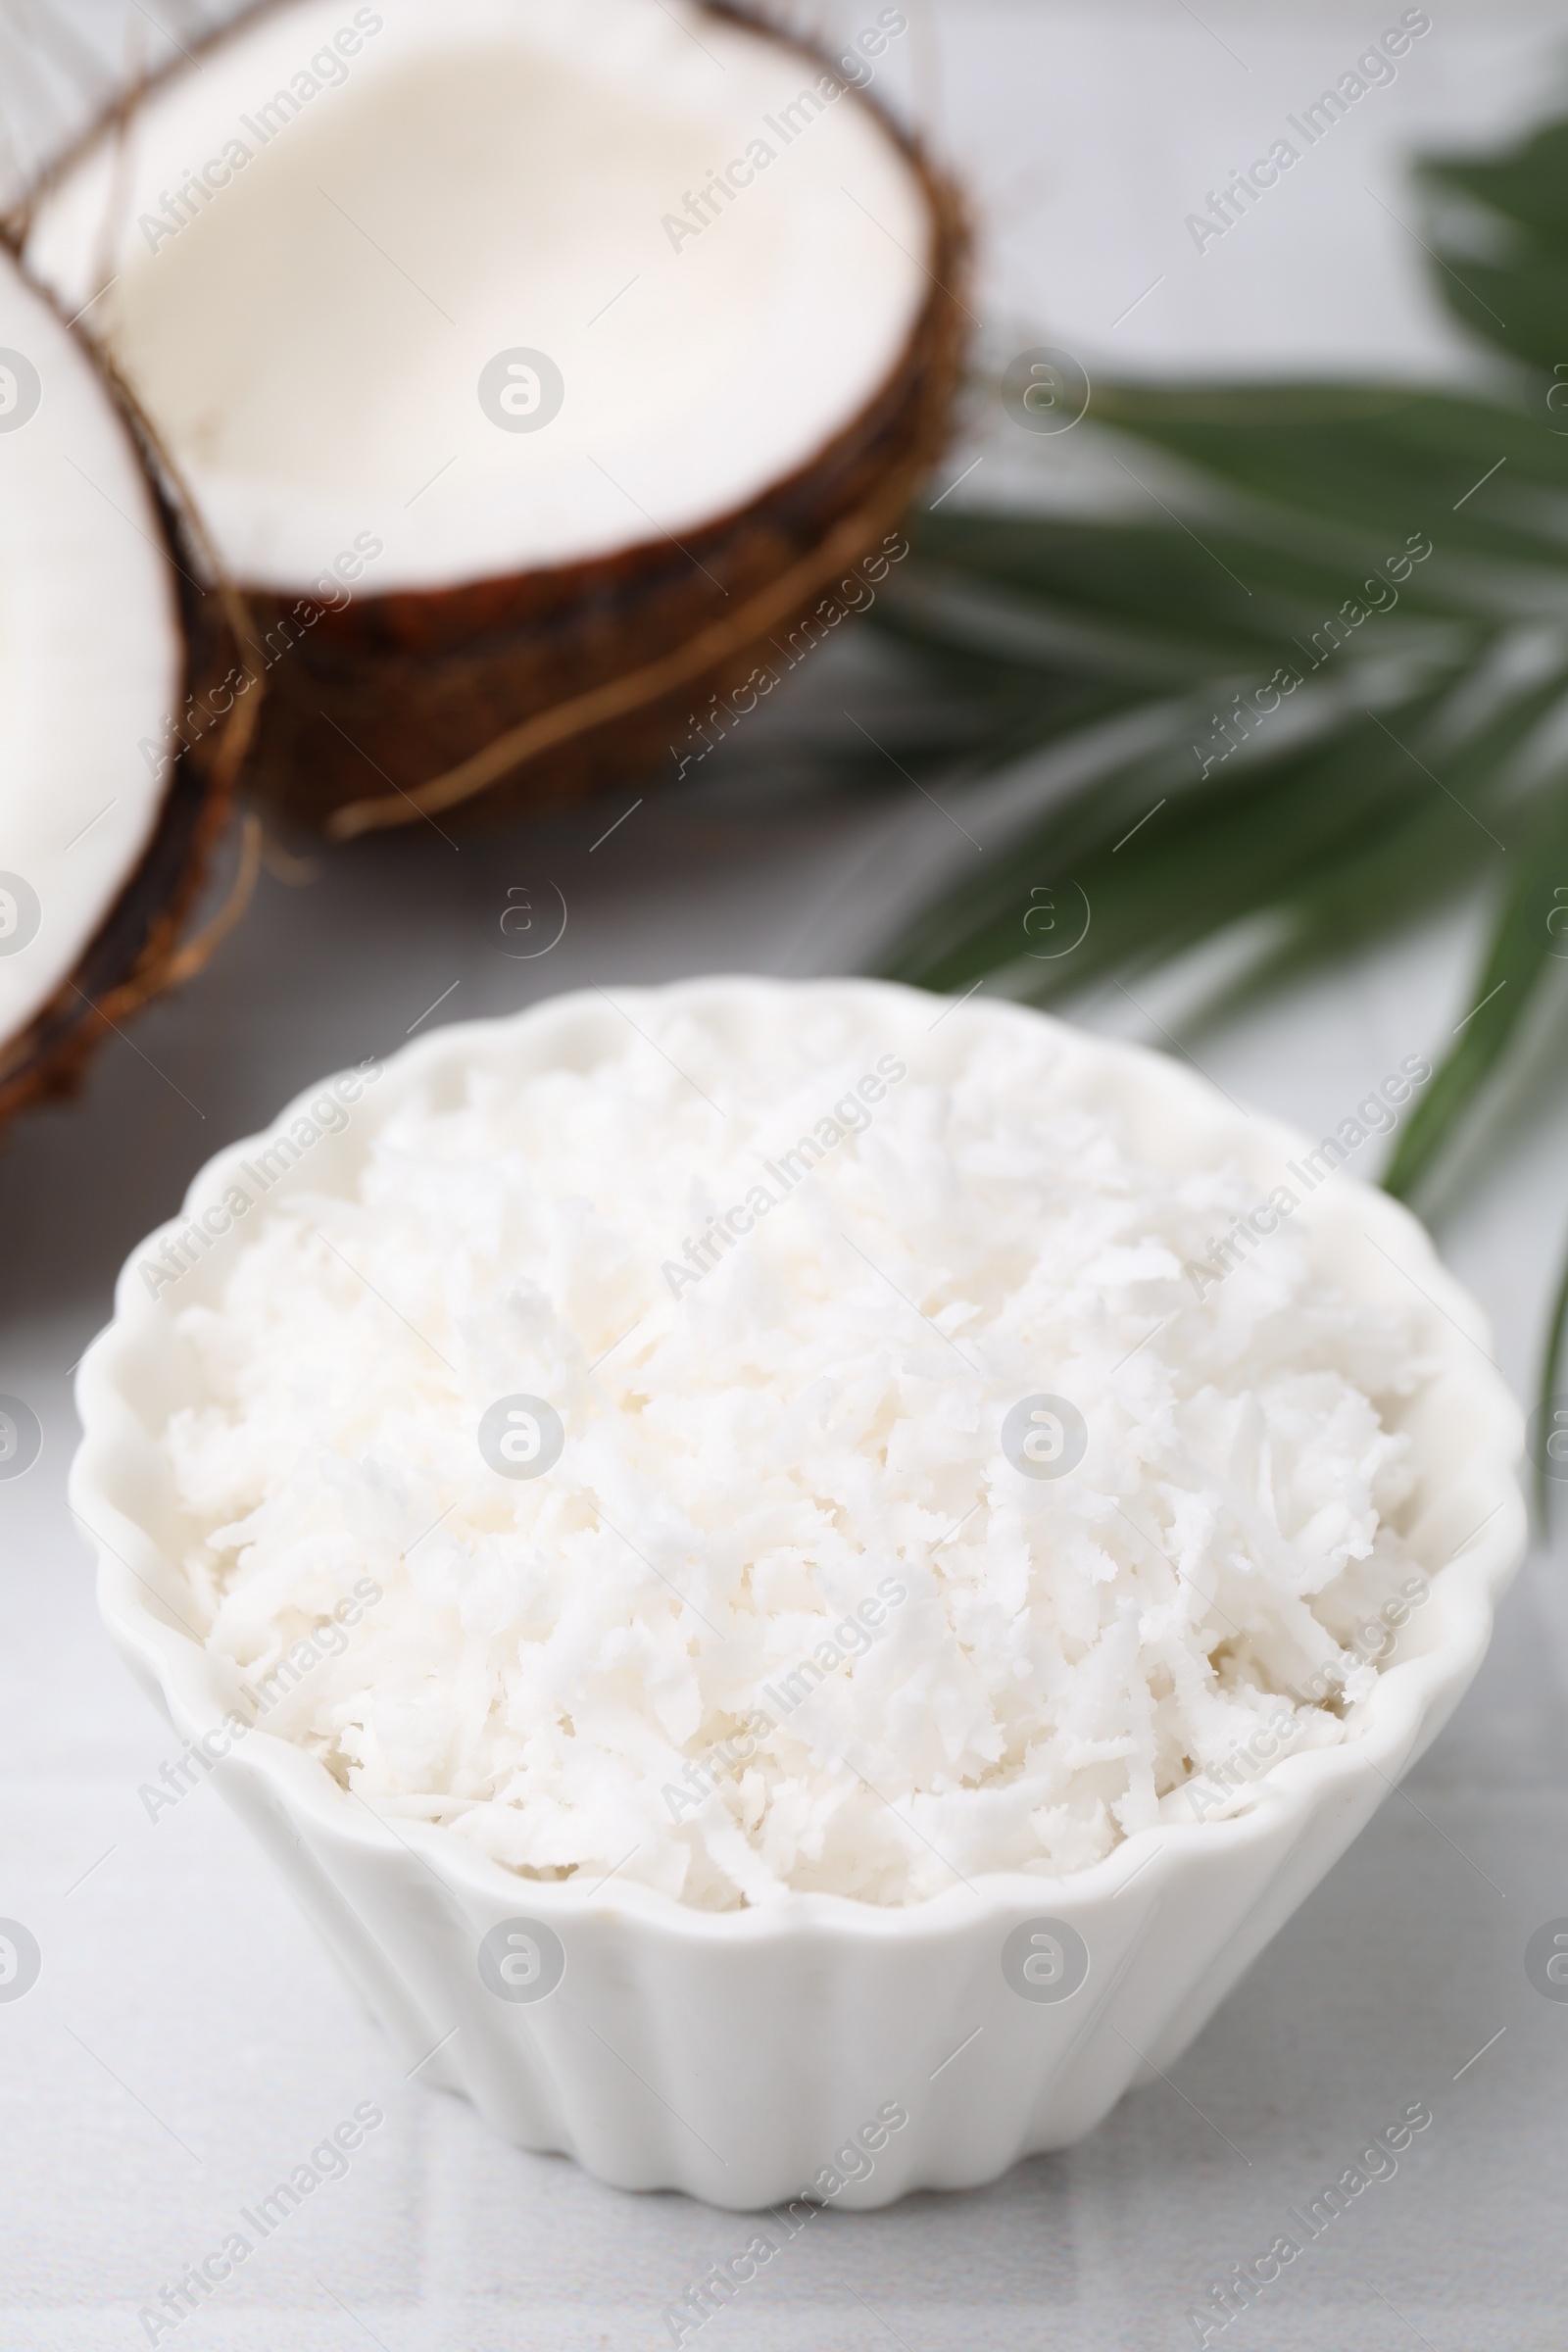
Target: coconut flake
x=783, y=1616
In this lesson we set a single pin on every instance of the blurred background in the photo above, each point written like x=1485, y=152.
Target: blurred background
x=188, y=2040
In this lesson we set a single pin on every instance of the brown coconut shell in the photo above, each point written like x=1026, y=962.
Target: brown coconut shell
x=140, y=949
x=547, y=686
x=525, y=691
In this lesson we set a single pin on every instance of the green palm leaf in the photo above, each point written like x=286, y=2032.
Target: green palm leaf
x=1314, y=691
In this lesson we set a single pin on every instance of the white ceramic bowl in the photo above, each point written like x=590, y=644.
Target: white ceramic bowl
x=737, y=2055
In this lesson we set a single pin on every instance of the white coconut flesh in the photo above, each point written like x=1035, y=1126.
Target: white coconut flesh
x=391, y=198
x=90, y=653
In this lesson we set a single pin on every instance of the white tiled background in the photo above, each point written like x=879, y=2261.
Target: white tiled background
x=188, y=2041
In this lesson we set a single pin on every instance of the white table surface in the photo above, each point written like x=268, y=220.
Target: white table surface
x=188, y=2038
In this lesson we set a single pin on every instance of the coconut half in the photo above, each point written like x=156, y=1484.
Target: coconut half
x=531, y=361
x=109, y=805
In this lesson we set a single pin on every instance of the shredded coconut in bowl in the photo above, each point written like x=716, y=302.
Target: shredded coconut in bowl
x=622, y=1473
